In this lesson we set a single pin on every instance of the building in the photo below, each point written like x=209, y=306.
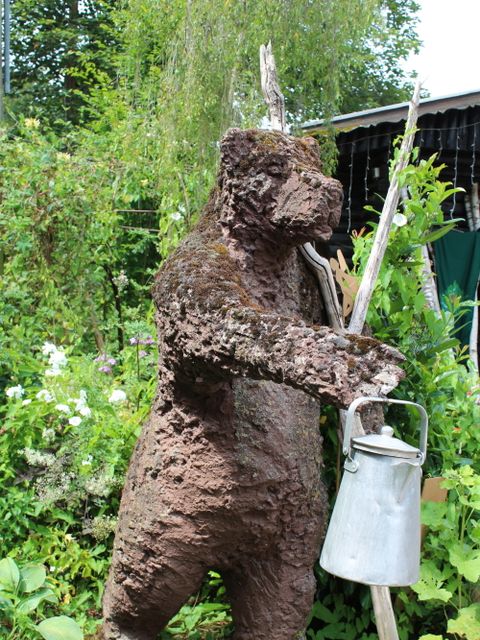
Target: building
x=448, y=127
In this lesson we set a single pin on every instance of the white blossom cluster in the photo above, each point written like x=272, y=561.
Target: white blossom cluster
x=100, y=485
x=121, y=281
x=117, y=396
x=16, y=392
x=56, y=359
x=44, y=395
x=54, y=487
x=37, y=458
x=100, y=527
x=48, y=435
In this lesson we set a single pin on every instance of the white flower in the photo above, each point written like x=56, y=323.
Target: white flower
x=74, y=421
x=58, y=359
x=25, y=402
x=400, y=220
x=37, y=458
x=48, y=348
x=121, y=280
x=117, y=396
x=63, y=408
x=45, y=395
x=99, y=485
x=81, y=401
x=87, y=461
x=86, y=412
x=15, y=392
x=176, y=216
x=32, y=123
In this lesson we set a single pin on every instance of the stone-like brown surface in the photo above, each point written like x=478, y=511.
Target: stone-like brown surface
x=226, y=474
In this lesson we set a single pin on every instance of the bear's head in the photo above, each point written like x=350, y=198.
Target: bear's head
x=272, y=186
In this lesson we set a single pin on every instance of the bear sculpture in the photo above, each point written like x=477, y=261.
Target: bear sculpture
x=226, y=473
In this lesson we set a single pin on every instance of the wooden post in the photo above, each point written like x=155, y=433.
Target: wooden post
x=271, y=89
x=429, y=288
x=382, y=604
x=2, y=93
x=372, y=269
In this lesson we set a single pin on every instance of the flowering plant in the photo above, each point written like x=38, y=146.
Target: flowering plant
x=65, y=442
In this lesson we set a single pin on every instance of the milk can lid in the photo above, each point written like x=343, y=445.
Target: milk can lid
x=385, y=444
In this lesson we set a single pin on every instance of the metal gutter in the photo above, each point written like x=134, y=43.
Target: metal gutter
x=395, y=112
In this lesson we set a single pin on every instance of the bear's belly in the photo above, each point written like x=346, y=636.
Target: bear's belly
x=276, y=432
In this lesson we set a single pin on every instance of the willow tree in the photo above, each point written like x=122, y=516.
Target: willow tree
x=177, y=75
x=189, y=69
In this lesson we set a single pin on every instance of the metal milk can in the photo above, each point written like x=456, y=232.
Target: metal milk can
x=374, y=532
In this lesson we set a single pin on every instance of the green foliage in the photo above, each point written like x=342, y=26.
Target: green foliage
x=66, y=438
x=339, y=618
x=204, y=617
x=393, y=33
x=440, y=377
x=23, y=592
x=61, y=49
x=450, y=570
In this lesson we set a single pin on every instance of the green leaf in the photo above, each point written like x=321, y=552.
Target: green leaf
x=434, y=515
x=31, y=603
x=467, y=624
x=431, y=636
x=429, y=587
x=416, y=208
x=9, y=574
x=60, y=628
x=32, y=577
x=437, y=234
x=466, y=560
x=321, y=612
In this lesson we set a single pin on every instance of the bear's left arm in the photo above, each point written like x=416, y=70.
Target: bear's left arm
x=241, y=340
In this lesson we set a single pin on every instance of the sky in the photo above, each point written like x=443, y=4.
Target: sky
x=449, y=61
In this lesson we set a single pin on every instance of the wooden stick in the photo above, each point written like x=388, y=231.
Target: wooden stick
x=384, y=616
x=429, y=288
x=271, y=89
x=382, y=603
x=372, y=269
x=323, y=271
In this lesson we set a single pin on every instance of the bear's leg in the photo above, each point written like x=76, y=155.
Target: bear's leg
x=146, y=589
x=271, y=598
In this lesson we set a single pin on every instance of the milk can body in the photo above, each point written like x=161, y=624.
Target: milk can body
x=374, y=533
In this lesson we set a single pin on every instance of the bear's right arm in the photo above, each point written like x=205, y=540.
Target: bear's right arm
x=220, y=337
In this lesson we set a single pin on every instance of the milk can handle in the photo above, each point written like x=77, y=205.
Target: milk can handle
x=351, y=415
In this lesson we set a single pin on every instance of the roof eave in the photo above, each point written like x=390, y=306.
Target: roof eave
x=393, y=113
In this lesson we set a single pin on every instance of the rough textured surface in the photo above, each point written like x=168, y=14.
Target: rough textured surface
x=226, y=474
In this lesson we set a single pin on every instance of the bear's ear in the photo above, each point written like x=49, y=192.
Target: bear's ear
x=235, y=147
x=311, y=144
x=312, y=148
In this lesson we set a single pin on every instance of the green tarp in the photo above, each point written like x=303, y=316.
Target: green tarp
x=457, y=262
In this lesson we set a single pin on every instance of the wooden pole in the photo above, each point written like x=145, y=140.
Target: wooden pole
x=382, y=604
x=2, y=94
x=271, y=89
x=364, y=295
